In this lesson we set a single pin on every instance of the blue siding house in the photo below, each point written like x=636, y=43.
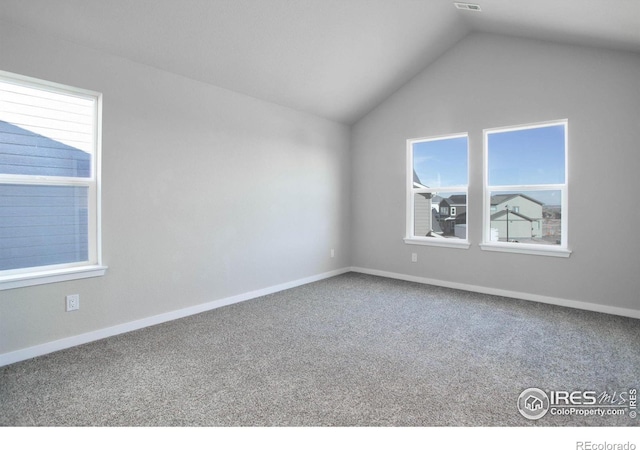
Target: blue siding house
x=41, y=224
x=23, y=152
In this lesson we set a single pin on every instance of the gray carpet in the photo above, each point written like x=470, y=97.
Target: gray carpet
x=353, y=350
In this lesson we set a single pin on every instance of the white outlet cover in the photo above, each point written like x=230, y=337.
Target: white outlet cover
x=73, y=302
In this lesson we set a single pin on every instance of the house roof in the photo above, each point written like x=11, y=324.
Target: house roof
x=501, y=198
x=455, y=200
x=27, y=153
x=416, y=181
x=318, y=56
x=16, y=135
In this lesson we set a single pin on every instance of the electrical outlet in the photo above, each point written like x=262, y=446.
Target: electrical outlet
x=73, y=302
x=333, y=253
x=414, y=257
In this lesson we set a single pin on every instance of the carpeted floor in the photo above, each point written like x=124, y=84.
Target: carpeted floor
x=353, y=350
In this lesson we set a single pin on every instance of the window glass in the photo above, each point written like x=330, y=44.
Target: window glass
x=49, y=190
x=527, y=156
x=438, y=190
x=526, y=190
x=441, y=162
x=43, y=225
x=530, y=217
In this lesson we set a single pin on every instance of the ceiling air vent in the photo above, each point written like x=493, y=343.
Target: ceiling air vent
x=468, y=6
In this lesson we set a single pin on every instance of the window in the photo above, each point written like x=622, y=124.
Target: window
x=525, y=192
x=437, y=180
x=49, y=182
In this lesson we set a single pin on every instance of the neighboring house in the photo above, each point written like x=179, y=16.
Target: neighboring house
x=453, y=211
x=524, y=217
x=435, y=214
x=421, y=209
x=425, y=213
x=23, y=152
x=42, y=227
x=423, y=217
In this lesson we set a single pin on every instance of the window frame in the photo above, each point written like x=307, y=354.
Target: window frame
x=93, y=267
x=561, y=250
x=410, y=237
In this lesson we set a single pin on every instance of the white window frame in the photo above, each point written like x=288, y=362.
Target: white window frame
x=15, y=278
x=410, y=237
x=561, y=250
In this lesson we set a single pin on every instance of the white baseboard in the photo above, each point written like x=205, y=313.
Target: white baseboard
x=633, y=313
x=61, y=344
x=49, y=347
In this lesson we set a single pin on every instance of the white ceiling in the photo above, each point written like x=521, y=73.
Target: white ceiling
x=333, y=58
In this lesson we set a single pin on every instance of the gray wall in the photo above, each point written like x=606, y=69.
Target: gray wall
x=489, y=81
x=206, y=194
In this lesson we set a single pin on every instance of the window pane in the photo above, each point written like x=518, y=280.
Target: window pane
x=527, y=157
x=42, y=225
x=45, y=133
x=441, y=162
x=440, y=215
x=25, y=153
x=530, y=217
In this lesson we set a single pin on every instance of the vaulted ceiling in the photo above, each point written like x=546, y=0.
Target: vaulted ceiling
x=333, y=58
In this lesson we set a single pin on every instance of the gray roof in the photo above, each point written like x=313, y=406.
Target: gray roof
x=501, y=198
x=455, y=200
x=416, y=181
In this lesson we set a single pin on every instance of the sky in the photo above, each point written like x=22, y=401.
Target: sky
x=515, y=157
x=530, y=156
x=441, y=162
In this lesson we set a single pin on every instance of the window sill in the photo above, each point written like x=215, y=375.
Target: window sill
x=437, y=242
x=50, y=276
x=539, y=250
